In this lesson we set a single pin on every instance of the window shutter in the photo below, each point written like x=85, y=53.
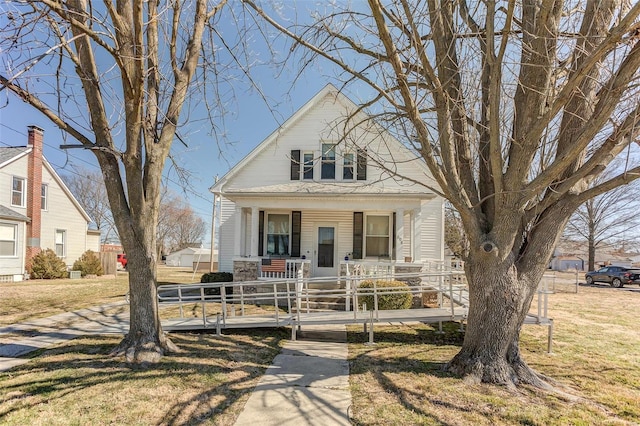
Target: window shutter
x=296, y=231
x=393, y=232
x=361, y=161
x=261, y=233
x=295, y=164
x=358, y=234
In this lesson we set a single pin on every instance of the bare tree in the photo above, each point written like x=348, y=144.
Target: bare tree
x=88, y=188
x=605, y=219
x=515, y=107
x=132, y=66
x=178, y=225
x=454, y=235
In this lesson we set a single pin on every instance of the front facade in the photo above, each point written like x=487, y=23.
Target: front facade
x=37, y=211
x=315, y=192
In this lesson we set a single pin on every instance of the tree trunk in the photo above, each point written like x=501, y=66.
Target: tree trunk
x=145, y=341
x=592, y=252
x=499, y=299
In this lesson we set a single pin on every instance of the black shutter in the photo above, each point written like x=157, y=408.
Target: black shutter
x=361, y=162
x=358, y=234
x=296, y=231
x=261, y=233
x=295, y=164
x=393, y=245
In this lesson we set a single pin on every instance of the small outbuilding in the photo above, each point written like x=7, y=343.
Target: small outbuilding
x=189, y=256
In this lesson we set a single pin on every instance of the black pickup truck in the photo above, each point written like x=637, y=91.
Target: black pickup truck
x=616, y=276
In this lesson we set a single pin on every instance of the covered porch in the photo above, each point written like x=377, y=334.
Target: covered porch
x=318, y=235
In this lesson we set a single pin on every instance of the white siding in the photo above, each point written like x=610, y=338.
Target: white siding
x=432, y=235
x=17, y=168
x=310, y=218
x=226, y=239
x=62, y=214
x=14, y=265
x=271, y=165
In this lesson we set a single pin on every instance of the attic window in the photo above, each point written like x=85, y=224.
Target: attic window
x=307, y=171
x=328, y=169
x=347, y=166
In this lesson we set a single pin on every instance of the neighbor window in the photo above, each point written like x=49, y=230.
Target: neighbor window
x=8, y=238
x=61, y=237
x=328, y=169
x=307, y=170
x=347, y=167
x=45, y=193
x=278, y=234
x=18, y=192
x=377, y=236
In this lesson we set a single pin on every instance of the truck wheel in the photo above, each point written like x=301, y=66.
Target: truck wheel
x=617, y=283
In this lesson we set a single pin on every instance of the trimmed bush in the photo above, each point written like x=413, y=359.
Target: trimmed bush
x=217, y=277
x=46, y=265
x=401, y=297
x=88, y=264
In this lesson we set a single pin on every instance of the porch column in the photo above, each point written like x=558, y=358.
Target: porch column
x=416, y=244
x=399, y=254
x=255, y=231
x=238, y=231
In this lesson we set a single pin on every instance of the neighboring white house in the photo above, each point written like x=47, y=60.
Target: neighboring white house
x=314, y=191
x=37, y=211
x=188, y=256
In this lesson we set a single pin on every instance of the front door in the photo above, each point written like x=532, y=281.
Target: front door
x=325, y=261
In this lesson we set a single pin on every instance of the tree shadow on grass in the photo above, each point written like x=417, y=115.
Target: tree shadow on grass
x=213, y=373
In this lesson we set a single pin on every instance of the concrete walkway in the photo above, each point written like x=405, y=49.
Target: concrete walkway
x=308, y=383
x=20, y=339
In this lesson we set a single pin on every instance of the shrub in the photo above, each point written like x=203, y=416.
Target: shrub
x=401, y=298
x=46, y=265
x=88, y=264
x=217, y=277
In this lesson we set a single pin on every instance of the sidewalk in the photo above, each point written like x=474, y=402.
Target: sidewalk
x=308, y=383
x=46, y=332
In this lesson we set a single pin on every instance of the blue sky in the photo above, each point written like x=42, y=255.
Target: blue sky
x=247, y=122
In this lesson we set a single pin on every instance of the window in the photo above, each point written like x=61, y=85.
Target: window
x=61, y=236
x=307, y=171
x=278, y=234
x=362, y=164
x=8, y=238
x=347, y=167
x=377, y=239
x=45, y=193
x=18, y=192
x=328, y=169
x=295, y=164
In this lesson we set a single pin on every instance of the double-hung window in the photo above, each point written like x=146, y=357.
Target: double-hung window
x=61, y=239
x=278, y=234
x=44, y=196
x=8, y=238
x=347, y=166
x=328, y=164
x=377, y=236
x=18, y=192
x=307, y=166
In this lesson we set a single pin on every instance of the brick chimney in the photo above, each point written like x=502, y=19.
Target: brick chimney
x=34, y=193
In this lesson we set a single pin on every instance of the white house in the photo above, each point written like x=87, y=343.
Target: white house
x=188, y=256
x=323, y=190
x=37, y=211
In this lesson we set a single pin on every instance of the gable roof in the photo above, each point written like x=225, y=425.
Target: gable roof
x=314, y=102
x=7, y=213
x=9, y=154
